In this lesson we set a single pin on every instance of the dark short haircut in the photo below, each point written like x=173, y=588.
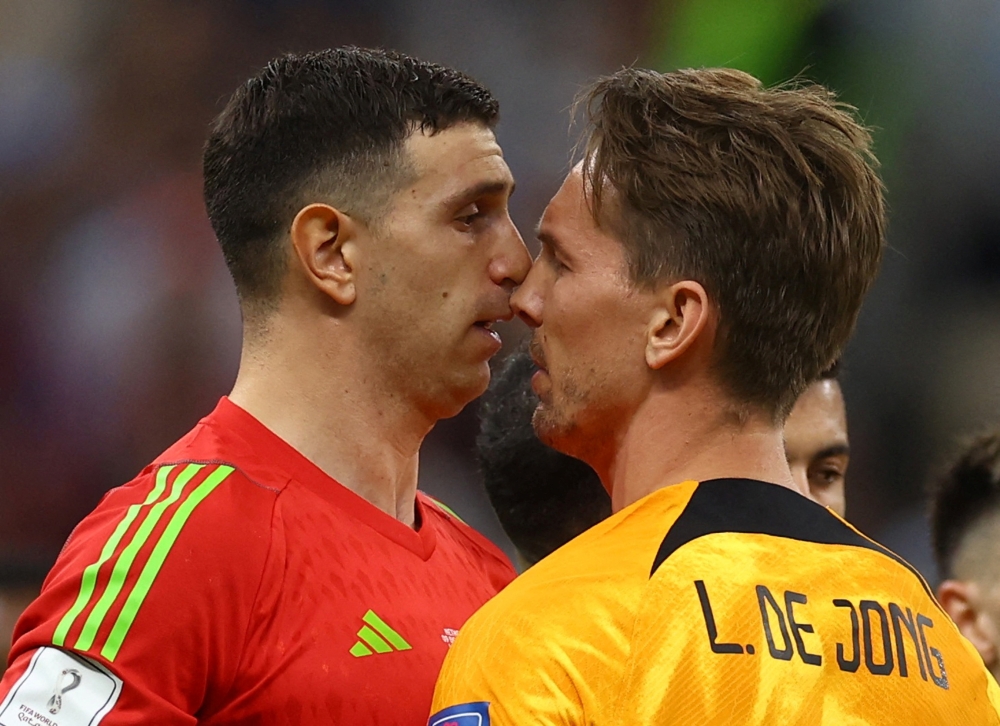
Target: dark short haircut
x=542, y=498
x=768, y=197
x=327, y=126
x=965, y=496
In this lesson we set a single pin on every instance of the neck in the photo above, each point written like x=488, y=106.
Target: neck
x=673, y=439
x=322, y=401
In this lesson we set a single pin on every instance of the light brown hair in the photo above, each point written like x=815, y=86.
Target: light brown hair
x=766, y=196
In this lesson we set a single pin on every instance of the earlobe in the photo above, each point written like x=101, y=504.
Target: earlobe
x=676, y=323
x=322, y=238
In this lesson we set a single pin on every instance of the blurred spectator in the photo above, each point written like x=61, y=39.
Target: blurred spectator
x=816, y=441
x=965, y=516
x=543, y=498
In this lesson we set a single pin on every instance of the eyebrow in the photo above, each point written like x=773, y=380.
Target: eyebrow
x=835, y=450
x=547, y=239
x=482, y=189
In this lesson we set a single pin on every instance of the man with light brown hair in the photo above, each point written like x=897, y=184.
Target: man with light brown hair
x=704, y=262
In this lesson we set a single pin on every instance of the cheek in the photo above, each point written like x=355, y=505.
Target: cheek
x=598, y=348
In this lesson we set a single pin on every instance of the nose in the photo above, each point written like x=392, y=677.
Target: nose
x=526, y=302
x=511, y=262
x=801, y=477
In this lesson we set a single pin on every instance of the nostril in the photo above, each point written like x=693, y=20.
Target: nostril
x=525, y=316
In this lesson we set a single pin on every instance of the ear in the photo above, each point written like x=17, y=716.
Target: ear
x=323, y=239
x=677, y=322
x=961, y=600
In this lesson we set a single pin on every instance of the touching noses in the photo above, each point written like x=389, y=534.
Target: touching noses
x=526, y=302
x=511, y=263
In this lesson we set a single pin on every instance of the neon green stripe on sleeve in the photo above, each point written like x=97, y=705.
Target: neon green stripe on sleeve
x=127, y=557
x=152, y=568
x=89, y=579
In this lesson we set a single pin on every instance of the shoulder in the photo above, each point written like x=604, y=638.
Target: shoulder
x=174, y=541
x=195, y=498
x=752, y=527
x=584, y=594
x=553, y=645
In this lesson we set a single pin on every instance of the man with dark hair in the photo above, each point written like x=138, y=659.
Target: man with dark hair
x=704, y=262
x=277, y=564
x=965, y=524
x=816, y=444
x=544, y=499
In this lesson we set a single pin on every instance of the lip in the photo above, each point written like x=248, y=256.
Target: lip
x=537, y=381
x=492, y=338
x=496, y=315
x=537, y=357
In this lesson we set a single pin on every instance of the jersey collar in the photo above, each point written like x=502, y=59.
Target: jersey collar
x=271, y=458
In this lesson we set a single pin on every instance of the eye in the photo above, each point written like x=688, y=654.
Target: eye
x=549, y=256
x=469, y=215
x=826, y=474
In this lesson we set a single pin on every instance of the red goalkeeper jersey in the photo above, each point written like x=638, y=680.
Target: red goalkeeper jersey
x=234, y=582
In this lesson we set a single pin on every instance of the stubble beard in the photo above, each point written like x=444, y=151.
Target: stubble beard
x=556, y=422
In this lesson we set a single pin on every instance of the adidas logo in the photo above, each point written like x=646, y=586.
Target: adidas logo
x=377, y=637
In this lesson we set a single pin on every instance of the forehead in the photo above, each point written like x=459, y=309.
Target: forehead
x=978, y=553
x=818, y=415
x=568, y=223
x=451, y=160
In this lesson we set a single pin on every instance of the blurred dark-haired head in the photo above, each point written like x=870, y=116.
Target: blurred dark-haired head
x=965, y=528
x=965, y=504
x=542, y=498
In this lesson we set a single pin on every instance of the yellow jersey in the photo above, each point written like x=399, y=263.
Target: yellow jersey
x=729, y=601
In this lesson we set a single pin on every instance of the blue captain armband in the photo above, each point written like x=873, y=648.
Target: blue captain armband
x=464, y=714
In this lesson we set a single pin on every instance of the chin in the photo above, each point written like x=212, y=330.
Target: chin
x=458, y=394
x=551, y=429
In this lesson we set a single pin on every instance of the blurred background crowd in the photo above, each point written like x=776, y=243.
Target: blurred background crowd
x=119, y=326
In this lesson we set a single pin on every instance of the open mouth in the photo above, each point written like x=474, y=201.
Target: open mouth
x=487, y=326
x=535, y=351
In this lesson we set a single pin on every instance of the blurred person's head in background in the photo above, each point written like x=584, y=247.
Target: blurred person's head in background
x=965, y=525
x=816, y=442
x=20, y=583
x=544, y=498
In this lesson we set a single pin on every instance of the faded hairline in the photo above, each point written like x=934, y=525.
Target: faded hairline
x=361, y=187
x=975, y=555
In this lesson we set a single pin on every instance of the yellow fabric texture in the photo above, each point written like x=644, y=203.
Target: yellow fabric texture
x=731, y=628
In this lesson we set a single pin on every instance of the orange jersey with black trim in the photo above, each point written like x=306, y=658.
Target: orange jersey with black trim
x=723, y=602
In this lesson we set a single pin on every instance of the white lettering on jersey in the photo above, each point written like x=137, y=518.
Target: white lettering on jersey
x=60, y=689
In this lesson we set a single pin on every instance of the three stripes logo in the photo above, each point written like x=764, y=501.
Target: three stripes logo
x=377, y=637
x=114, y=587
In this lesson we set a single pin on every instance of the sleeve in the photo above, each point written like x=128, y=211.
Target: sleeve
x=144, y=616
x=515, y=662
